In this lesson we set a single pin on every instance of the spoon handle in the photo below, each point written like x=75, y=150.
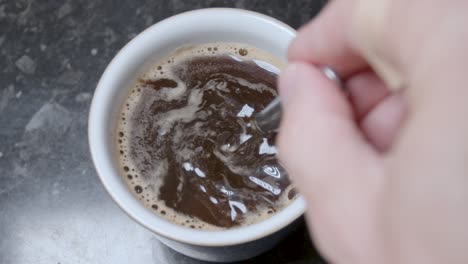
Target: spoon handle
x=268, y=120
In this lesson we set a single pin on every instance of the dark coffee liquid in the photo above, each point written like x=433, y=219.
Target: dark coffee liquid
x=188, y=146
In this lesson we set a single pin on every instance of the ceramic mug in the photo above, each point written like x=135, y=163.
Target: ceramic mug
x=194, y=27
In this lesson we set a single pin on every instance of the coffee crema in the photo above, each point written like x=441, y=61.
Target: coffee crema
x=185, y=143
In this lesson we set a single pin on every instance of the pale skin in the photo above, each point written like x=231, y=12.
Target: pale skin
x=384, y=169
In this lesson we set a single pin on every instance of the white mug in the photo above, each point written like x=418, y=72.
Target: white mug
x=194, y=27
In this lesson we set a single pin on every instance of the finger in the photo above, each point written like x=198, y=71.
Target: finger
x=318, y=125
x=365, y=90
x=383, y=122
x=368, y=24
x=326, y=41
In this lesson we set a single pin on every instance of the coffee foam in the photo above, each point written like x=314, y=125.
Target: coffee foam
x=163, y=70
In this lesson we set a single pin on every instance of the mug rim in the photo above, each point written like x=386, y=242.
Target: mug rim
x=158, y=225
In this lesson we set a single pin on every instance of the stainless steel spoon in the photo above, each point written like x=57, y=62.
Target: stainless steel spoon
x=268, y=120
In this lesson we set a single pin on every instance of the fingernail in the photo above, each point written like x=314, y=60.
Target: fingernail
x=287, y=82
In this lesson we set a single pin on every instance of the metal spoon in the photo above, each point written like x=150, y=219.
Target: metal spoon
x=268, y=120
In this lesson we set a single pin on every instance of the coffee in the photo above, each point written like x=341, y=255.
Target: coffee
x=186, y=147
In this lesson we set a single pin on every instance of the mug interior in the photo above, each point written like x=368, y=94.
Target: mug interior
x=156, y=42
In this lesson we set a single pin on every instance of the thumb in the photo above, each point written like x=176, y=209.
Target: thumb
x=318, y=139
x=329, y=160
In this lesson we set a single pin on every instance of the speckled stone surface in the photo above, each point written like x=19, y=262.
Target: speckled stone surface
x=53, y=208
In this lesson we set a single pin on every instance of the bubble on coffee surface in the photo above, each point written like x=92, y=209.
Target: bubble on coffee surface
x=186, y=147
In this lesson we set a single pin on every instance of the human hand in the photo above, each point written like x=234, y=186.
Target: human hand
x=383, y=172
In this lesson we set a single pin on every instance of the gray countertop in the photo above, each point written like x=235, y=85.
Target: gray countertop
x=53, y=208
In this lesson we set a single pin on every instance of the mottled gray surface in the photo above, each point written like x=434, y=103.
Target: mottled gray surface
x=53, y=209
